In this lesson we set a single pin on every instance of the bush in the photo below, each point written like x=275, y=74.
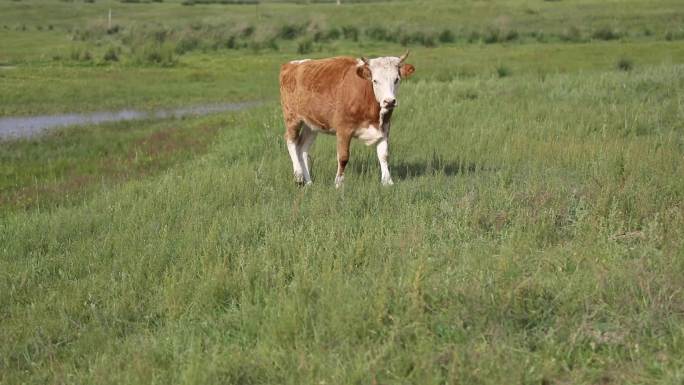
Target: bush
x=80, y=54
x=446, y=36
x=154, y=53
x=186, y=44
x=111, y=55
x=491, y=35
x=333, y=34
x=605, y=33
x=671, y=36
x=377, y=33
x=473, y=37
x=624, y=64
x=497, y=35
x=417, y=37
x=503, y=71
x=350, y=33
x=510, y=35
x=113, y=29
x=290, y=31
x=572, y=34
x=247, y=31
x=305, y=46
x=429, y=41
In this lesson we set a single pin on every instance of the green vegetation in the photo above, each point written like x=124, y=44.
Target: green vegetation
x=535, y=233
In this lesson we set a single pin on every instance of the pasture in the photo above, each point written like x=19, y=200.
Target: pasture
x=534, y=234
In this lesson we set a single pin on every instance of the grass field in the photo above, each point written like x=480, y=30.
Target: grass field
x=534, y=234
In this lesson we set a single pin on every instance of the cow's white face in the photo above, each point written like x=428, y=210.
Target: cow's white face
x=386, y=74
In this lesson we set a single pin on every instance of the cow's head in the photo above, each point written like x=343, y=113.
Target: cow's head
x=385, y=73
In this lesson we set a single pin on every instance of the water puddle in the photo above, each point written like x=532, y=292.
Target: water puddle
x=28, y=126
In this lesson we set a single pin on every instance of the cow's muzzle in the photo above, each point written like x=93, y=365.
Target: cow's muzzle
x=389, y=103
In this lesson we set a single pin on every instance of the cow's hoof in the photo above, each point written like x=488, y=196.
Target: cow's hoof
x=339, y=181
x=299, y=179
x=387, y=182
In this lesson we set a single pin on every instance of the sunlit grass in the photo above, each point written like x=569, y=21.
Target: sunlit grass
x=534, y=233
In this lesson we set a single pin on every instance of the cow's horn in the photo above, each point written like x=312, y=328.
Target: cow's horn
x=364, y=60
x=403, y=57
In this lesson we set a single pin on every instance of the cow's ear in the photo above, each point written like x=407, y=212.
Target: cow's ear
x=364, y=72
x=406, y=70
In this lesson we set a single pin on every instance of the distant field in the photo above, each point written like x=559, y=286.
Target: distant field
x=535, y=233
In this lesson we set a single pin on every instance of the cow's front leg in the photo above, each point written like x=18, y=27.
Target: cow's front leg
x=383, y=156
x=343, y=142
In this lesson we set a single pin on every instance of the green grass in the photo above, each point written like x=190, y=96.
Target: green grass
x=534, y=233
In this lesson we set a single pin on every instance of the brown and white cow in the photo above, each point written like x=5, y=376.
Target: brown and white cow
x=343, y=96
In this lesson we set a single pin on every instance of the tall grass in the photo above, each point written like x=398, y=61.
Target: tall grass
x=534, y=233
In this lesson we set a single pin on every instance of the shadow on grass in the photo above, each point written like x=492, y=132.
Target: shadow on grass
x=406, y=170
x=437, y=165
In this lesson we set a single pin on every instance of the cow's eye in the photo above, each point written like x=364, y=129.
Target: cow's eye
x=375, y=81
x=396, y=80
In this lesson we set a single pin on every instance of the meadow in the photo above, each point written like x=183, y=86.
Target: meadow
x=534, y=233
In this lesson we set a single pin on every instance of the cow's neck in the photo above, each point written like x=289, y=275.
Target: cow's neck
x=385, y=117
x=376, y=115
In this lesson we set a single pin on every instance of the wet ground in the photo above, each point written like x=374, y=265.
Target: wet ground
x=28, y=126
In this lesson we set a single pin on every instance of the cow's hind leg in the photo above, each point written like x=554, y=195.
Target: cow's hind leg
x=291, y=139
x=306, y=139
x=343, y=142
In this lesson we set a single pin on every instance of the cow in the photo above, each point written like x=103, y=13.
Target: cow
x=342, y=96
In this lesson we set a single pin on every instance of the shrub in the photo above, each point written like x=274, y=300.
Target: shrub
x=377, y=33
x=290, y=31
x=333, y=34
x=624, y=64
x=113, y=29
x=247, y=31
x=154, y=53
x=186, y=44
x=111, y=55
x=79, y=54
x=232, y=43
x=429, y=41
x=86, y=55
x=572, y=34
x=671, y=36
x=473, y=37
x=503, y=71
x=540, y=36
x=350, y=33
x=510, y=35
x=605, y=33
x=491, y=35
x=304, y=46
x=446, y=36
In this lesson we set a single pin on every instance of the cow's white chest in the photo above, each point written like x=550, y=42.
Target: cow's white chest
x=370, y=135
